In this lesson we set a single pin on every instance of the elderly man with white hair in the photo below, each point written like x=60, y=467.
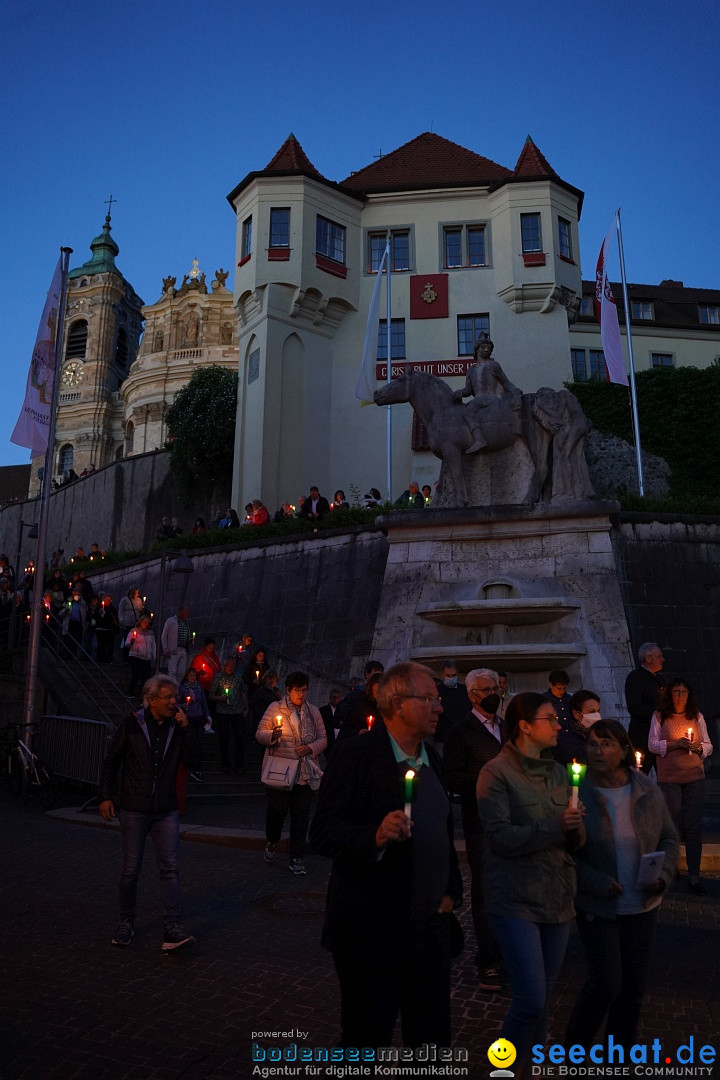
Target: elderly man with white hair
x=643, y=693
x=469, y=745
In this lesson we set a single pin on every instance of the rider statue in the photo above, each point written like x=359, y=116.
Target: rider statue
x=488, y=384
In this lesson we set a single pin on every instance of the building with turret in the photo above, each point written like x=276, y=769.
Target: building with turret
x=475, y=247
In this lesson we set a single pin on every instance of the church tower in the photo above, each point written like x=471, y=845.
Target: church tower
x=103, y=324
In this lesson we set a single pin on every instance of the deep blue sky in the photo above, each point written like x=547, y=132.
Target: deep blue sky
x=167, y=105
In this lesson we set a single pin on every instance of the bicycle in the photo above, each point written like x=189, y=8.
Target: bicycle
x=25, y=772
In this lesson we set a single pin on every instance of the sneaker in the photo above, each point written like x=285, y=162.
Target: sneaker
x=209, y=729
x=196, y=776
x=270, y=850
x=489, y=979
x=297, y=866
x=176, y=937
x=124, y=933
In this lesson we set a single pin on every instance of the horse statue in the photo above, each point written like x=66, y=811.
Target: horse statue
x=505, y=424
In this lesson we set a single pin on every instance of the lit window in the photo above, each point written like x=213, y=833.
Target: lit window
x=577, y=362
x=662, y=359
x=330, y=239
x=246, y=242
x=642, y=309
x=397, y=339
x=564, y=238
x=399, y=250
x=77, y=340
x=587, y=306
x=530, y=233
x=279, y=228
x=597, y=363
x=708, y=315
x=463, y=245
x=469, y=330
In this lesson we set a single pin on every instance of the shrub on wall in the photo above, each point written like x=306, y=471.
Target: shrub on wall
x=201, y=432
x=677, y=409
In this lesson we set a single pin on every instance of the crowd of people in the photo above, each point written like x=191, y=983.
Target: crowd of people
x=561, y=817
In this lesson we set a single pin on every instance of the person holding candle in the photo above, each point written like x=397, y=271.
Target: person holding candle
x=384, y=818
x=228, y=693
x=530, y=831
x=292, y=728
x=140, y=643
x=194, y=703
x=643, y=696
x=679, y=739
x=175, y=640
x=129, y=611
x=625, y=818
x=255, y=670
x=353, y=717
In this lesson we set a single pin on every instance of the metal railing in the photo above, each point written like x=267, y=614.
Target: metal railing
x=103, y=699
x=73, y=748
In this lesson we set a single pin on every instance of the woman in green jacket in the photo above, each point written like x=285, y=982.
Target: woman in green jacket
x=530, y=826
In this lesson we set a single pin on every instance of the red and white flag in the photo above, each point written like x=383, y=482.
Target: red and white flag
x=33, y=424
x=606, y=313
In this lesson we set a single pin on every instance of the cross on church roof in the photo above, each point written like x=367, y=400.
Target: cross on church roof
x=109, y=203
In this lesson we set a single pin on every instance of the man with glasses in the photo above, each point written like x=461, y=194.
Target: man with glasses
x=469, y=745
x=145, y=752
x=395, y=875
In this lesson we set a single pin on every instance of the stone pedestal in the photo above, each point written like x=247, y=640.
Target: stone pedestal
x=517, y=588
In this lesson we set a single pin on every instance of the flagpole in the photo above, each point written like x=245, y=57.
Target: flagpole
x=33, y=655
x=633, y=391
x=388, y=408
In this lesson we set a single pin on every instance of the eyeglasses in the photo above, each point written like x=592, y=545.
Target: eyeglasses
x=429, y=699
x=484, y=690
x=550, y=719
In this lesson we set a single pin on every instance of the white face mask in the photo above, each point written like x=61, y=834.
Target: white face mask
x=590, y=718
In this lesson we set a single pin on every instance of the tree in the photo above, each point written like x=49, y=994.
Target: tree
x=201, y=432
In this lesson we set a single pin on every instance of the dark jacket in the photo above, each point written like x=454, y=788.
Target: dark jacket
x=368, y=902
x=456, y=705
x=643, y=696
x=129, y=757
x=468, y=746
x=323, y=507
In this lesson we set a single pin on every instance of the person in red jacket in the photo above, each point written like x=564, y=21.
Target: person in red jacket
x=206, y=663
x=260, y=514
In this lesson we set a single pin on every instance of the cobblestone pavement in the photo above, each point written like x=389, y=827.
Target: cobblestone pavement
x=72, y=1007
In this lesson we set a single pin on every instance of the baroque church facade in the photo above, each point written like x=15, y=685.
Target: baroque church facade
x=116, y=382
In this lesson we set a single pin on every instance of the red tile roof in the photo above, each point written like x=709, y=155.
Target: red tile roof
x=291, y=158
x=532, y=164
x=428, y=161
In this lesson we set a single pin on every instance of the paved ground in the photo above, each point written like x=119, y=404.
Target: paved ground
x=74, y=1008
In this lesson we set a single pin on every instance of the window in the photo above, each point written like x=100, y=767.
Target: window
x=246, y=241
x=641, y=309
x=280, y=228
x=564, y=239
x=530, y=233
x=129, y=438
x=253, y=373
x=399, y=250
x=77, y=340
x=65, y=458
x=463, y=245
x=121, y=351
x=330, y=239
x=708, y=315
x=662, y=359
x=469, y=330
x=579, y=363
x=587, y=306
x=397, y=339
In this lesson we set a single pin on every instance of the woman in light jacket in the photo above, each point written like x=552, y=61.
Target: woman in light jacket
x=294, y=730
x=140, y=643
x=625, y=818
x=530, y=827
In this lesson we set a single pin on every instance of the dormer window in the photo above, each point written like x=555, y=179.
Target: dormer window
x=642, y=309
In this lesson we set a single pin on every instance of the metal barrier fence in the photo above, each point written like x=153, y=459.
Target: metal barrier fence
x=74, y=748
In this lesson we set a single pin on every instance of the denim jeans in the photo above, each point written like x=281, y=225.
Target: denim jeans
x=685, y=803
x=533, y=955
x=618, y=953
x=164, y=830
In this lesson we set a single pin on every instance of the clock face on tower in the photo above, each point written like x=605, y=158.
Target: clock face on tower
x=72, y=373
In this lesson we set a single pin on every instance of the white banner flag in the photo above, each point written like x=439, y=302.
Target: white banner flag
x=606, y=312
x=367, y=382
x=33, y=423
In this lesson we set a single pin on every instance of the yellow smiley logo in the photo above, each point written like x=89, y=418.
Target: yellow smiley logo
x=502, y=1053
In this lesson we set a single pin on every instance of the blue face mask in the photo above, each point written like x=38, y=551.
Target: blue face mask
x=452, y=682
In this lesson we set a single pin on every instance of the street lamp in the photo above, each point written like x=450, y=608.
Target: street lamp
x=32, y=535
x=180, y=563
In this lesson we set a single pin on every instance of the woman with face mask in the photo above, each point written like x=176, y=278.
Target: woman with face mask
x=572, y=738
x=625, y=818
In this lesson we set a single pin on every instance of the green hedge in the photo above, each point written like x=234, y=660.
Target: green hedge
x=678, y=411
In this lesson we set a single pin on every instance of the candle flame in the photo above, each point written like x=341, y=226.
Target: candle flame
x=409, y=775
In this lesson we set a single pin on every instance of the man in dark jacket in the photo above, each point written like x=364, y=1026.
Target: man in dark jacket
x=315, y=506
x=468, y=746
x=643, y=694
x=146, y=751
x=395, y=874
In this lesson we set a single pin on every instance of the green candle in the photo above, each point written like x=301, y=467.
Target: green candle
x=409, y=791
